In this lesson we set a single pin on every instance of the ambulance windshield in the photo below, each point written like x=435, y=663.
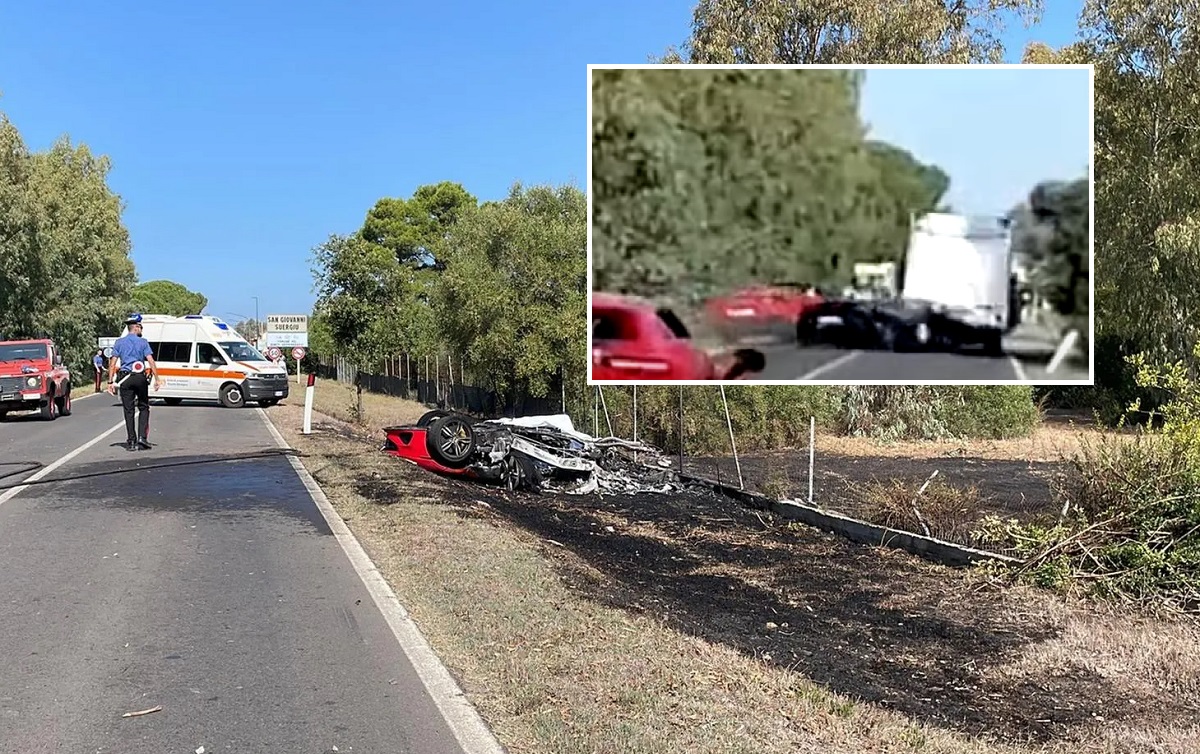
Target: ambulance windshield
x=241, y=351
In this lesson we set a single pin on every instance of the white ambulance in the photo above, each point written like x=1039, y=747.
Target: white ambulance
x=200, y=358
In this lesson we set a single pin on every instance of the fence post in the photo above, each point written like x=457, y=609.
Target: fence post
x=732, y=444
x=607, y=418
x=681, y=429
x=635, y=455
x=812, y=442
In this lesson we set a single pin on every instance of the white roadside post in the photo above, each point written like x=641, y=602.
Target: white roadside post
x=308, y=403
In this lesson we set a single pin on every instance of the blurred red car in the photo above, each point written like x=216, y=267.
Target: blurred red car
x=632, y=339
x=762, y=309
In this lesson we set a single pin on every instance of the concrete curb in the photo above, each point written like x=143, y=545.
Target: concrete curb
x=930, y=548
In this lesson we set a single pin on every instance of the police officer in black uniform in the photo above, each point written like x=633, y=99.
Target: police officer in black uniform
x=129, y=369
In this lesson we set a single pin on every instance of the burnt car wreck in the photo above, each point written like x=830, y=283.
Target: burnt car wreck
x=532, y=453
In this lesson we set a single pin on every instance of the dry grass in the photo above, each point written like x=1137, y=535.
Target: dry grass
x=554, y=670
x=338, y=401
x=1051, y=441
x=934, y=507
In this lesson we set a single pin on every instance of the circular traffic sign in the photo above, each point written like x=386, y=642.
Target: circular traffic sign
x=108, y=352
x=274, y=352
x=297, y=353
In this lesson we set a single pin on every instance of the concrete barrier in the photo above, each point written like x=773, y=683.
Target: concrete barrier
x=930, y=548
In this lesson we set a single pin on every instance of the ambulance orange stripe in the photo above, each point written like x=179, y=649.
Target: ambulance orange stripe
x=210, y=373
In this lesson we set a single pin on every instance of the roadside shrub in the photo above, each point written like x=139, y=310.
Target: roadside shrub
x=934, y=413
x=989, y=411
x=770, y=417
x=1130, y=528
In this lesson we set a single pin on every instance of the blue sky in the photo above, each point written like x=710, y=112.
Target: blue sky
x=243, y=134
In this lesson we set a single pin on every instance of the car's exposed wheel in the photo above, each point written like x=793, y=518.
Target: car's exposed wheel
x=49, y=410
x=231, y=395
x=450, y=441
x=519, y=472
x=428, y=417
x=172, y=401
x=64, y=402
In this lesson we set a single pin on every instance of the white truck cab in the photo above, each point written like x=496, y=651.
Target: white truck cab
x=201, y=358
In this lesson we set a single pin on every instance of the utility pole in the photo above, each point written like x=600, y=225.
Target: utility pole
x=257, y=321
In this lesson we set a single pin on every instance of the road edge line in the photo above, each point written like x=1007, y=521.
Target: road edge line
x=828, y=365
x=11, y=493
x=461, y=716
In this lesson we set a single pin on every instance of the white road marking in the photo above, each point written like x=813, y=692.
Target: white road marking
x=1020, y=370
x=460, y=715
x=831, y=365
x=10, y=494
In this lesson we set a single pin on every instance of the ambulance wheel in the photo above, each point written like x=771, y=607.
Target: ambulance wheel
x=231, y=395
x=172, y=401
x=450, y=441
x=64, y=403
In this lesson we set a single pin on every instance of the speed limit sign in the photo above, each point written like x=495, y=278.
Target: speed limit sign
x=274, y=353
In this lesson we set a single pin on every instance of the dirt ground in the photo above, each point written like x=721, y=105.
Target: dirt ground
x=1008, y=478
x=810, y=643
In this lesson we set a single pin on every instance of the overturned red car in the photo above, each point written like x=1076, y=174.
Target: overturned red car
x=762, y=310
x=527, y=453
x=633, y=339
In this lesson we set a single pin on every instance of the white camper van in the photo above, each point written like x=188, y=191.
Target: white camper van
x=201, y=358
x=961, y=267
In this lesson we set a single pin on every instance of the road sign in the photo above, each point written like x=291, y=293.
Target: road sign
x=285, y=339
x=108, y=352
x=297, y=353
x=274, y=353
x=289, y=323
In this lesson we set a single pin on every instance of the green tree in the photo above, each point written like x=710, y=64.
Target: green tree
x=1147, y=84
x=362, y=289
x=513, y=296
x=902, y=187
x=850, y=31
x=64, y=250
x=1051, y=232
x=715, y=177
x=166, y=297
x=415, y=229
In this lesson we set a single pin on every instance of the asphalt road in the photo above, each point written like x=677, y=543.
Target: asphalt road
x=210, y=586
x=1027, y=355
